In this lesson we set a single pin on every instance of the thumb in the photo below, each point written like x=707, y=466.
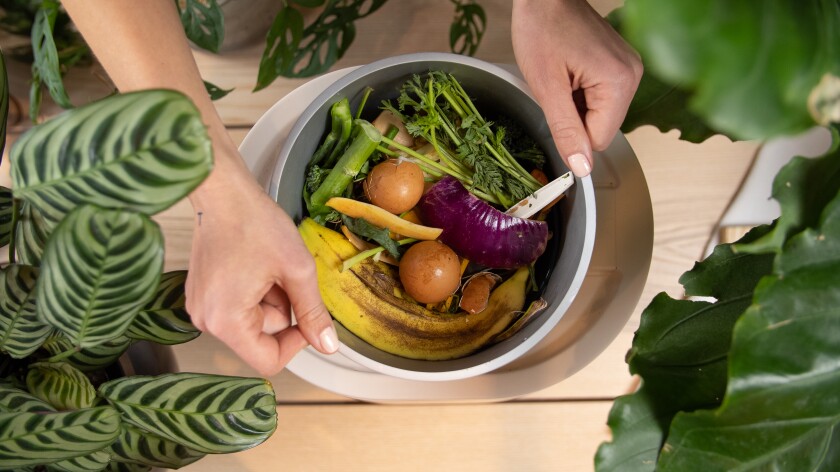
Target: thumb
x=313, y=319
x=567, y=129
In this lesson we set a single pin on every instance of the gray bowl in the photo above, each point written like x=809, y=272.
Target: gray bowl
x=494, y=88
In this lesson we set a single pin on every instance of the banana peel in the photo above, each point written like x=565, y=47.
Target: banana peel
x=364, y=300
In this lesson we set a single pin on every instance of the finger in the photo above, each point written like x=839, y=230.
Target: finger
x=275, y=318
x=567, y=128
x=264, y=352
x=607, y=105
x=291, y=342
x=312, y=317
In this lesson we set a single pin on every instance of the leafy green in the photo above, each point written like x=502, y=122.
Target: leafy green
x=204, y=22
x=467, y=27
x=21, y=332
x=164, y=320
x=31, y=235
x=751, y=66
x=61, y=385
x=363, y=228
x=7, y=208
x=136, y=446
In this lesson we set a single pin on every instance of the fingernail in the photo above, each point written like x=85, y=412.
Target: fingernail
x=329, y=340
x=579, y=165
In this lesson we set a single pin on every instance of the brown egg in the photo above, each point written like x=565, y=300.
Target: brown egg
x=430, y=271
x=394, y=185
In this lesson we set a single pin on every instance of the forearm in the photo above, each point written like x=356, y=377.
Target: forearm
x=142, y=45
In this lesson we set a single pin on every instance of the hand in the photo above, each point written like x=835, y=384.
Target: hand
x=248, y=269
x=563, y=46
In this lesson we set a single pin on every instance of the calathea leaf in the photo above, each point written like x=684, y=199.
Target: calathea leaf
x=752, y=65
x=204, y=22
x=115, y=466
x=13, y=399
x=680, y=350
x=801, y=209
x=780, y=408
x=45, y=67
x=100, y=268
x=4, y=103
x=6, y=213
x=136, y=446
x=467, y=28
x=141, y=150
x=164, y=319
x=35, y=438
x=94, y=461
x=206, y=413
x=91, y=358
x=21, y=332
x=31, y=234
x=61, y=385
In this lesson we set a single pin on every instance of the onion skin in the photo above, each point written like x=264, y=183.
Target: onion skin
x=477, y=231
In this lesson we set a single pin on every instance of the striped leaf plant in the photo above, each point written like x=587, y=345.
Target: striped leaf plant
x=83, y=283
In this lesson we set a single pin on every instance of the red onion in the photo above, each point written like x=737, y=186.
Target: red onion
x=477, y=231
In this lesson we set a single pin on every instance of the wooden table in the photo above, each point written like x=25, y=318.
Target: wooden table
x=557, y=429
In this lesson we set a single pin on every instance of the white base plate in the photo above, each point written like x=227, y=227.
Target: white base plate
x=610, y=292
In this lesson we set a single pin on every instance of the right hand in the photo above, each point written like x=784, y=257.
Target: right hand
x=563, y=46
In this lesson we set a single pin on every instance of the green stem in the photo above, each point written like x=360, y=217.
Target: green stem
x=421, y=157
x=367, y=92
x=370, y=253
x=63, y=355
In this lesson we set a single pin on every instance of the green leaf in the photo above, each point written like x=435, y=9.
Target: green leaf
x=164, y=319
x=680, y=350
x=142, y=150
x=6, y=215
x=15, y=400
x=94, y=461
x=31, y=235
x=382, y=236
x=294, y=51
x=801, y=208
x=88, y=359
x=36, y=438
x=751, y=65
x=46, y=68
x=206, y=413
x=308, y=3
x=99, y=269
x=61, y=385
x=126, y=467
x=215, y=91
x=467, y=27
x=21, y=332
x=136, y=446
x=204, y=23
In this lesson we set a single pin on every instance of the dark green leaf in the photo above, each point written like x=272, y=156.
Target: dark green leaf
x=467, y=28
x=6, y=213
x=751, y=65
x=801, y=208
x=88, y=359
x=215, y=91
x=136, y=446
x=126, y=467
x=46, y=66
x=14, y=400
x=61, y=385
x=308, y=3
x=204, y=23
x=206, y=413
x=781, y=404
x=294, y=51
x=164, y=319
x=31, y=235
x=680, y=350
x=100, y=268
x=21, y=332
x=142, y=150
x=831, y=462
x=36, y=438
x=361, y=227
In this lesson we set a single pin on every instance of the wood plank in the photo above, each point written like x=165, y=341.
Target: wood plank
x=533, y=437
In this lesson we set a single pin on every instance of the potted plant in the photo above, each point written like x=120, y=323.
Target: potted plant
x=84, y=283
x=746, y=378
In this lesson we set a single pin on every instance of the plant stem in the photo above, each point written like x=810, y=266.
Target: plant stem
x=411, y=152
x=370, y=253
x=63, y=355
x=367, y=92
